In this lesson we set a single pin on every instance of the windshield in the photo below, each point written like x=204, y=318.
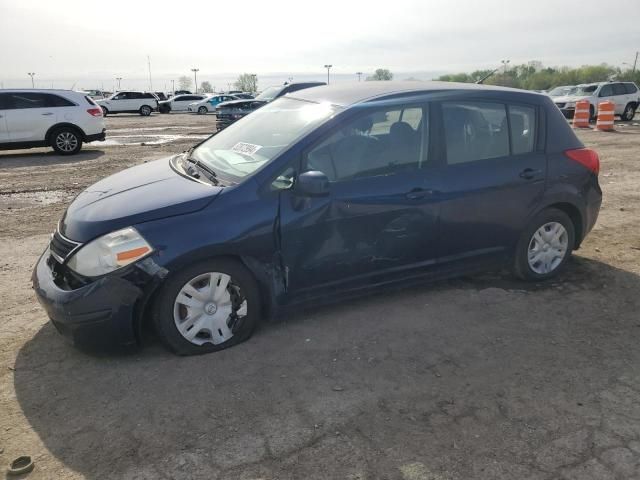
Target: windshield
x=584, y=90
x=269, y=94
x=562, y=91
x=248, y=144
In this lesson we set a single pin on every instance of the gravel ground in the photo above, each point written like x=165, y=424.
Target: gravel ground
x=475, y=378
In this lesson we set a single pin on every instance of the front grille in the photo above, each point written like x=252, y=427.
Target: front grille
x=561, y=105
x=61, y=247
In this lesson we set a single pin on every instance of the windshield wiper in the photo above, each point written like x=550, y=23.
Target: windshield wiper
x=200, y=167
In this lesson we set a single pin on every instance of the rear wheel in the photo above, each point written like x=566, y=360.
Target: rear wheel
x=207, y=307
x=202, y=110
x=66, y=141
x=629, y=113
x=544, y=246
x=145, y=110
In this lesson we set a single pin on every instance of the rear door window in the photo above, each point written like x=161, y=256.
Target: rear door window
x=522, y=120
x=475, y=131
x=618, y=89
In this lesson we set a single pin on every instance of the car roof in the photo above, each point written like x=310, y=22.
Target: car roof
x=345, y=94
x=45, y=90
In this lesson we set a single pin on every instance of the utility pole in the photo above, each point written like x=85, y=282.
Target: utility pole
x=195, y=76
x=149, y=65
x=635, y=62
x=359, y=75
x=32, y=74
x=118, y=80
x=328, y=67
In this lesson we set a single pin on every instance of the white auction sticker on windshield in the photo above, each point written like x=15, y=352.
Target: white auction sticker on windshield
x=246, y=148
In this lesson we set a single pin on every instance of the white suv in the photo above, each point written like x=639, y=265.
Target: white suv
x=624, y=94
x=61, y=119
x=129, y=102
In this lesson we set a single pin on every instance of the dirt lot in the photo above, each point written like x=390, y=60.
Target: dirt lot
x=475, y=378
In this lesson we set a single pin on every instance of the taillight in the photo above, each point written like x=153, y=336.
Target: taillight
x=96, y=112
x=586, y=157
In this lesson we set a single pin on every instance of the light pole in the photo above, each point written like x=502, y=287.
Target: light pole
x=359, y=75
x=173, y=86
x=254, y=83
x=118, y=79
x=32, y=74
x=328, y=67
x=504, y=64
x=195, y=76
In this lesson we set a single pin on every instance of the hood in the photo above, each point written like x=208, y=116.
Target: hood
x=139, y=194
x=241, y=103
x=569, y=98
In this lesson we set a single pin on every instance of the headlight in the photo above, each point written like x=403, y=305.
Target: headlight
x=109, y=252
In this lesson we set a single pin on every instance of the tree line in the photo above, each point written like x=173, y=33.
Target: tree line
x=535, y=76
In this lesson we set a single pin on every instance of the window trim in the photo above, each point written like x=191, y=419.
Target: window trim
x=425, y=163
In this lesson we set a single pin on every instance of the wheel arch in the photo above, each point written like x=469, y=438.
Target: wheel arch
x=576, y=216
x=264, y=274
x=55, y=127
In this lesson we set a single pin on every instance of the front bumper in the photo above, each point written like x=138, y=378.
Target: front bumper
x=96, y=137
x=99, y=314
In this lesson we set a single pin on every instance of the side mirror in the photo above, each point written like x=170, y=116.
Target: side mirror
x=312, y=184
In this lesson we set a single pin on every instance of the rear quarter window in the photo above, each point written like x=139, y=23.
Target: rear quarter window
x=630, y=88
x=522, y=120
x=58, y=101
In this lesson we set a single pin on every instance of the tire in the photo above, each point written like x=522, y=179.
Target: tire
x=66, y=140
x=105, y=112
x=145, y=110
x=592, y=113
x=629, y=113
x=543, y=247
x=203, y=110
x=169, y=311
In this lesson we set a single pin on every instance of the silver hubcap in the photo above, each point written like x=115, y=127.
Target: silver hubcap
x=208, y=307
x=66, y=141
x=146, y=110
x=629, y=113
x=547, y=248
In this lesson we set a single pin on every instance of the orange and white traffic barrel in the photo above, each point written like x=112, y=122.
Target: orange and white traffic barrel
x=581, y=114
x=605, y=116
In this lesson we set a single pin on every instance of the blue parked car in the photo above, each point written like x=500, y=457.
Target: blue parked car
x=327, y=191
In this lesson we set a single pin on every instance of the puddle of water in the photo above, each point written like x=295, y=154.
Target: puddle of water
x=15, y=201
x=146, y=139
x=151, y=129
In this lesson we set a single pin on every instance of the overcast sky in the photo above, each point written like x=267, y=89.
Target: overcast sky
x=93, y=41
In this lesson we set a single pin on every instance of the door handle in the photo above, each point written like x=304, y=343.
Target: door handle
x=48, y=113
x=529, y=173
x=419, y=193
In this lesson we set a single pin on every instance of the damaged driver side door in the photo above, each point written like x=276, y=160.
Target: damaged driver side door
x=379, y=214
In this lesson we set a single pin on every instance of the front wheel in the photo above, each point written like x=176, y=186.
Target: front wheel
x=66, y=141
x=145, y=110
x=202, y=110
x=207, y=307
x=544, y=246
x=105, y=112
x=629, y=113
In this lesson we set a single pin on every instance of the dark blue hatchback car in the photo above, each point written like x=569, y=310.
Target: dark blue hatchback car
x=328, y=191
